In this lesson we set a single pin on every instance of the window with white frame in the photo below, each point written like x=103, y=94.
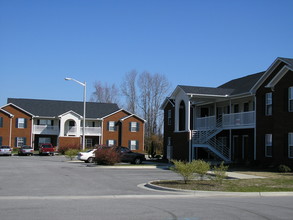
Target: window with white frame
x=45, y=122
x=169, y=117
x=290, y=99
x=269, y=104
x=88, y=142
x=111, y=125
x=169, y=143
x=133, y=145
x=20, y=141
x=134, y=126
x=44, y=140
x=269, y=145
x=21, y=123
x=290, y=145
x=111, y=142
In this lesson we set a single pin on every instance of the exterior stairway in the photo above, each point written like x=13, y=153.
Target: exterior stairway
x=207, y=139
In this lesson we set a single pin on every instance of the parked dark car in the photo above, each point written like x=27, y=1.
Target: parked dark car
x=129, y=156
x=26, y=150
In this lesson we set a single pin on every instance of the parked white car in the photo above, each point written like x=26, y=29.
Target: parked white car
x=87, y=157
x=5, y=150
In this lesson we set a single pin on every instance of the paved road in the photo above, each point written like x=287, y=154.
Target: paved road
x=51, y=188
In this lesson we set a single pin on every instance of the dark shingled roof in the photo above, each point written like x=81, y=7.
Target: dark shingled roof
x=243, y=84
x=233, y=87
x=205, y=90
x=53, y=108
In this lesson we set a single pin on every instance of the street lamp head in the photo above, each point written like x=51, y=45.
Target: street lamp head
x=68, y=78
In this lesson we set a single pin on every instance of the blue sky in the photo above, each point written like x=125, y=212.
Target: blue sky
x=199, y=42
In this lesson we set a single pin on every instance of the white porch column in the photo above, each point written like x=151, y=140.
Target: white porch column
x=187, y=114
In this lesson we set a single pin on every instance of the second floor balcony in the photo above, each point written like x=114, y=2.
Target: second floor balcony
x=226, y=121
x=92, y=131
x=46, y=129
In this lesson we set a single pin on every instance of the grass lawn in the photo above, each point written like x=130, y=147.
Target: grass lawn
x=274, y=182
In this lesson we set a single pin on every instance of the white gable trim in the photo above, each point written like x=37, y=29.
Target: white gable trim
x=6, y=112
x=268, y=72
x=278, y=77
x=70, y=112
x=18, y=108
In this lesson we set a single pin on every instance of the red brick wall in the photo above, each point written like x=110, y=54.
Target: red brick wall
x=127, y=135
x=69, y=141
x=19, y=132
x=5, y=129
x=122, y=135
x=112, y=135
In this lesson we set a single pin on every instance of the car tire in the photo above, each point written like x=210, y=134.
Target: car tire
x=90, y=160
x=137, y=161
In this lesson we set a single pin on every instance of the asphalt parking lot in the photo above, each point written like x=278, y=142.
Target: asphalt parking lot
x=46, y=187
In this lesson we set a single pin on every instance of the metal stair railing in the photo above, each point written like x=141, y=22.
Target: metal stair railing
x=207, y=138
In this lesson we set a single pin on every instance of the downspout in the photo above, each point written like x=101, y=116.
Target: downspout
x=10, y=131
x=230, y=135
x=102, y=130
x=32, y=127
x=254, y=147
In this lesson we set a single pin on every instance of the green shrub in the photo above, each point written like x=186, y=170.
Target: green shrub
x=71, y=153
x=284, y=169
x=201, y=167
x=220, y=172
x=107, y=156
x=63, y=149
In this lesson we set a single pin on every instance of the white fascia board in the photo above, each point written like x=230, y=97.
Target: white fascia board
x=106, y=116
x=166, y=101
x=6, y=112
x=191, y=95
x=70, y=112
x=18, y=108
x=268, y=72
x=133, y=115
x=278, y=77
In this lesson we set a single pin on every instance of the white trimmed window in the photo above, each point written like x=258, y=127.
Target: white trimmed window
x=134, y=126
x=21, y=123
x=133, y=145
x=111, y=125
x=45, y=122
x=169, y=143
x=269, y=103
x=290, y=99
x=290, y=145
x=20, y=141
x=269, y=145
x=169, y=117
x=111, y=142
x=88, y=142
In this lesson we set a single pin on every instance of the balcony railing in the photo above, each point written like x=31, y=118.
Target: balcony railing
x=205, y=123
x=236, y=120
x=46, y=129
x=227, y=121
x=96, y=131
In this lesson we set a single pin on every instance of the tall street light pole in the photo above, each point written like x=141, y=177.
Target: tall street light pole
x=84, y=108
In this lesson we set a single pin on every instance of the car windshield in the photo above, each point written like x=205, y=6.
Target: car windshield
x=26, y=147
x=4, y=147
x=46, y=146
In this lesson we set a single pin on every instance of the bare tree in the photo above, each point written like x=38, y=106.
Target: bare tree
x=152, y=93
x=105, y=93
x=128, y=89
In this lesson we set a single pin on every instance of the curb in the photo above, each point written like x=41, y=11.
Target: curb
x=151, y=186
